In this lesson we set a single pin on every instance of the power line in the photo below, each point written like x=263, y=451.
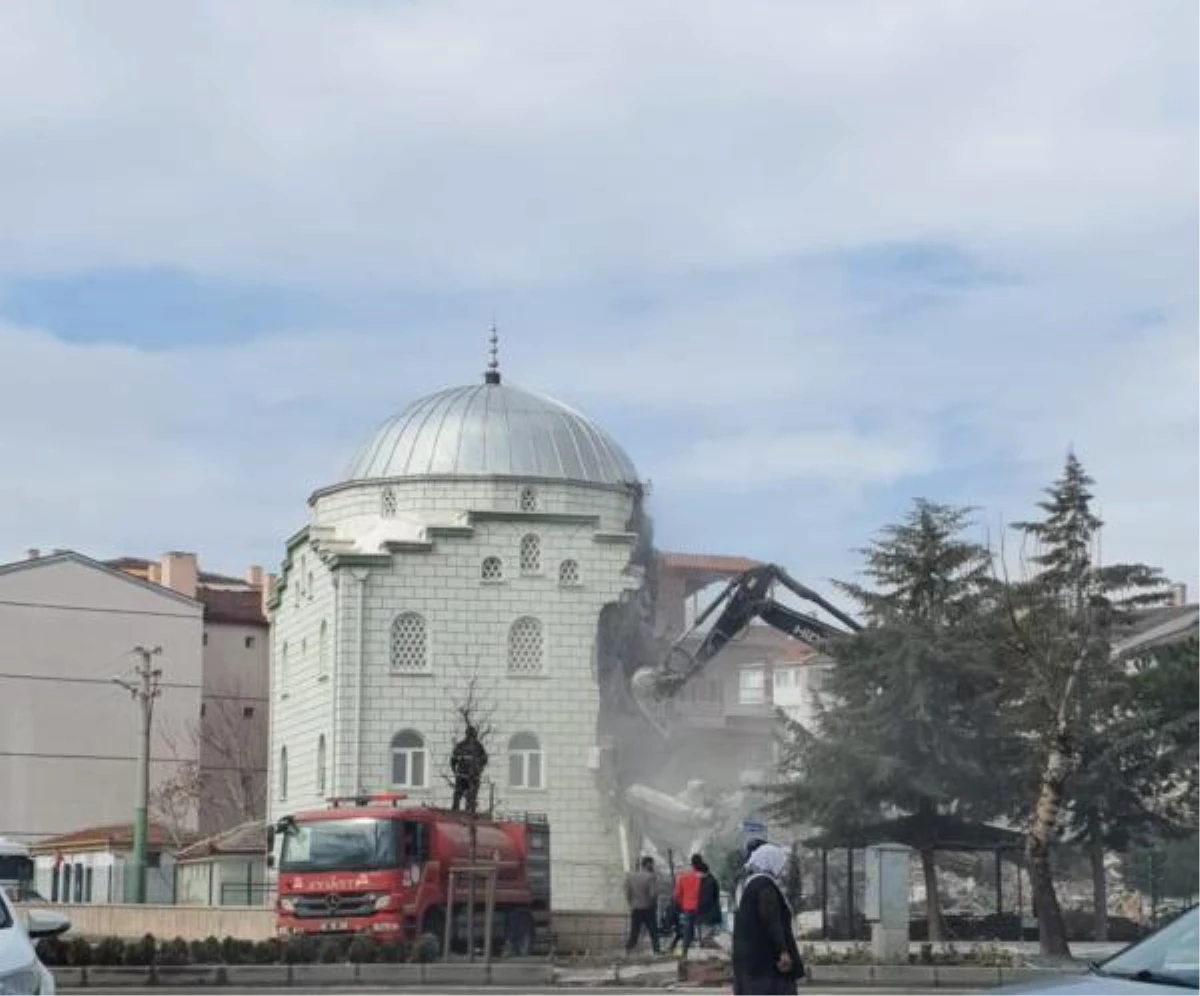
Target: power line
x=64, y=679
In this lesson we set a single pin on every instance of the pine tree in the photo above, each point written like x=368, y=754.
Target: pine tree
x=911, y=725
x=1063, y=617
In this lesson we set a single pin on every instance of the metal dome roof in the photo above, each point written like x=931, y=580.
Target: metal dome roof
x=492, y=430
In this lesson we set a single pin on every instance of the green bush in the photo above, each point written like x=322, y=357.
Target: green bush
x=267, y=952
x=79, y=951
x=140, y=952
x=109, y=951
x=174, y=952
x=393, y=952
x=427, y=949
x=300, y=949
x=54, y=951
x=332, y=950
x=362, y=949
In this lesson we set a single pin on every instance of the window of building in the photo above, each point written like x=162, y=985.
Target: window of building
x=88, y=874
x=410, y=642
x=303, y=650
x=526, y=646
x=204, y=638
x=752, y=686
x=247, y=712
x=568, y=572
x=409, y=769
x=528, y=500
x=492, y=569
x=525, y=761
x=531, y=554
x=308, y=585
x=283, y=668
x=250, y=642
x=66, y=883
x=322, y=650
x=387, y=504
x=78, y=882
x=203, y=709
x=283, y=774
x=304, y=576
x=321, y=763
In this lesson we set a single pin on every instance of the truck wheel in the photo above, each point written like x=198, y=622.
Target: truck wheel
x=519, y=933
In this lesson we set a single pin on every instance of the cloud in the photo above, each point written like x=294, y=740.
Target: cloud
x=806, y=261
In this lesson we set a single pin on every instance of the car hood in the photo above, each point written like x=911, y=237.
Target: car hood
x=1088, y=985
x=16, y=950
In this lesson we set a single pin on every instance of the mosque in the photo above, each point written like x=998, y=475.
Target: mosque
x=470, y=550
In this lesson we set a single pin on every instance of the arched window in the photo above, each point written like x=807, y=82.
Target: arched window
x=308, y=584
x=321, y=763
x=387, y=504
x=526, y=647
x=323, y=650
x=282, y=774
x=568, y=572
x=409, y=769
x=410, y=642
x=492, y=569
x=528, y=500
x=531, y=554
x=283, y=668
x=525, y=761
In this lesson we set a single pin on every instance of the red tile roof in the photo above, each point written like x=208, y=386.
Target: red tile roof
x=111, y=837
x=243, y=608
x=139, y=566
x=706, y=563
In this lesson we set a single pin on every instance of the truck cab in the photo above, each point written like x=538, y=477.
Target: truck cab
x=380, y=865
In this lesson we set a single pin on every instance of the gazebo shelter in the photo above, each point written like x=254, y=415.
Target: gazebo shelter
x=919, y=832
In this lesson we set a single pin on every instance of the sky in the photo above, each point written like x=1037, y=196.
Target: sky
x=807, y=261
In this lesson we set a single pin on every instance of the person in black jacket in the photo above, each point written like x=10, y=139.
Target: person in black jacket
x=708, y=912
x=766, y=959
x=467, y=761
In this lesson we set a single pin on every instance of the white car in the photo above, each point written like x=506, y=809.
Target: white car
x=21, y=971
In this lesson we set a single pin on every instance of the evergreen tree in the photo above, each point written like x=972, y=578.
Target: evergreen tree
x=911, y=722
x=1063, y=617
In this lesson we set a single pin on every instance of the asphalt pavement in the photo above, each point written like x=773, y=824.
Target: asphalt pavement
x=548, y=991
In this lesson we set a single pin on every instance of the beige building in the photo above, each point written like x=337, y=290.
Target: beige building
x=69, y=733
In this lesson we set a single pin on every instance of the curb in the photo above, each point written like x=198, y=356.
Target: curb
x=303, y=977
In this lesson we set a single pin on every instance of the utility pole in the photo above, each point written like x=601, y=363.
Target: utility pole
x=145, y=688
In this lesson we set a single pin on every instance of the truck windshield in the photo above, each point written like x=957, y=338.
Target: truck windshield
x=339, y=845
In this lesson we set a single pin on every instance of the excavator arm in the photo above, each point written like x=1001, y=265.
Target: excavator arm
x=747, y=597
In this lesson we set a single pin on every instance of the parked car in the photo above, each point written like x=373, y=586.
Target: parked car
x=1167, y=961
x=21, y=971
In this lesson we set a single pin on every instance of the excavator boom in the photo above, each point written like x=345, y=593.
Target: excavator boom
x=747, y=597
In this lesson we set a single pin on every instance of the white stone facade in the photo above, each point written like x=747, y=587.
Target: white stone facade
x=377, y=550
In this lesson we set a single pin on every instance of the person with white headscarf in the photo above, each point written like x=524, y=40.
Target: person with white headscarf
x=765, y=956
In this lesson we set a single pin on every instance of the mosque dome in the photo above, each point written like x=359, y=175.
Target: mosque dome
x=492, y=430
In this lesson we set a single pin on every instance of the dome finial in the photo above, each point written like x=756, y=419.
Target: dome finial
x=492, y=376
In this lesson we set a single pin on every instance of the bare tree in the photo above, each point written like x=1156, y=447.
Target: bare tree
x=221, y=774
x=174, y=802
x=474, y=714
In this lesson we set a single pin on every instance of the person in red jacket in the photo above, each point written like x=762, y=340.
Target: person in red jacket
x=687, y=902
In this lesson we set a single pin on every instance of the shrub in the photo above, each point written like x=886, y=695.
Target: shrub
x=141, y=952
x=393, y=952
x=109, y=951
x=174, y=952
x=332, y=950
x=267, y=952
x=300, y=949
x=79, y=952
x=53, y=951
x=362, y=949
x=426, y=949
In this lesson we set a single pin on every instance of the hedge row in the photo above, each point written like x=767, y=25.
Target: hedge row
x=295, y=950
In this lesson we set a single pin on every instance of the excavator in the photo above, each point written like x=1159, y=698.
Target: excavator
x=746, y=597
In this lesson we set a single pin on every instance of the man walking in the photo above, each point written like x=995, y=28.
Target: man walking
x=687, y=902
x=641, y=895
x=467, y=761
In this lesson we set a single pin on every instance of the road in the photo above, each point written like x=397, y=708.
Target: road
x=498, y=991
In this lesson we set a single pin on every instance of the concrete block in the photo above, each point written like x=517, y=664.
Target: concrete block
x=66, y=977
x=390, y=975
x=242, y=977
x=970, y=976
x=315, y=976
x=187, y=975
x=108, y=979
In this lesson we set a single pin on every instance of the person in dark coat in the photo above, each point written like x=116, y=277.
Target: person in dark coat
x=467, y=762
x=708, y=912
x=766, y=959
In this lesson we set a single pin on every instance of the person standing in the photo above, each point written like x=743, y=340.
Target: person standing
x=765, y=956
x=687, y=902
x=708, y=910
x=641, y=895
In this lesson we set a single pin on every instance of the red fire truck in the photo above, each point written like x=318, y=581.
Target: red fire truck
x=380, y=864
